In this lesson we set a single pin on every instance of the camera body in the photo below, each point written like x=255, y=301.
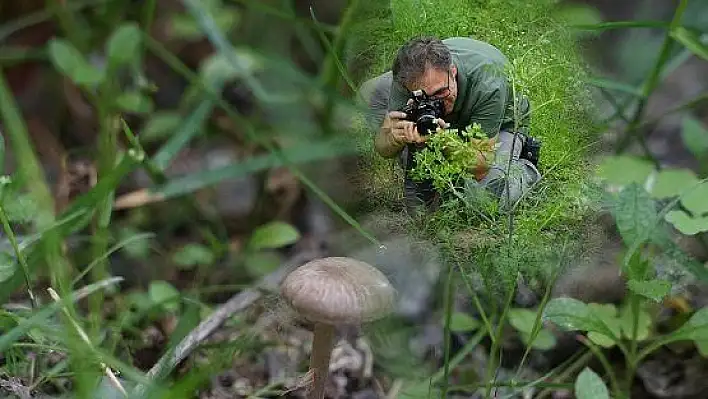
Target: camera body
x=531, y=150
x=423, y=111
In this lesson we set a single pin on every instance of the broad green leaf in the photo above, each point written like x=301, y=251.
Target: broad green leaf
x=627, y=322
x=163, y=293
x=135, y=102
x=192, y=255
x=672, y=182
x=695, y=200
x=638, y=267
x=8, y=265
x=694, y=135
x=635, y=214
x=183, y=26
x=686, y=224
x=601, y=339
x=572, y=314
x=702, y=346
x=258, y=264
x=589, y=385
x=124, y=44
x=655, y=290
x=19, y=207
x=68, y=60
x=696, y=328
x=522, y=319
x=544, y=340
x=160, y=124
x=624, y=169
x=218, y=69
x=462, y=322
x=691, y=41
x=273, y=235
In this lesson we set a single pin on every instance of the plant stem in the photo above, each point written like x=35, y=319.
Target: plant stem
x=449, y=301
x=653, y=78
x=605, y=364
x=496, y=343
x=319, y=360
x=20, y=256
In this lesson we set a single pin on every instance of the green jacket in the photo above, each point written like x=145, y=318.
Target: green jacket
x=485, y=95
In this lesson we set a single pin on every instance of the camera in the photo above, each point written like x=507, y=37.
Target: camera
x=424, y=110
x=531, y=150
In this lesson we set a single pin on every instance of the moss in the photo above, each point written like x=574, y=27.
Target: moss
x=547, y=67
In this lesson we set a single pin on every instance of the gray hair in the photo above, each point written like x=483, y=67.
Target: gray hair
x=418, y=54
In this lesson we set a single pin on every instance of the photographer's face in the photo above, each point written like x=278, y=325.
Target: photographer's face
x=439, y=83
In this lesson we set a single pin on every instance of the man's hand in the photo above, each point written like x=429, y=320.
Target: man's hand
x=400, y=130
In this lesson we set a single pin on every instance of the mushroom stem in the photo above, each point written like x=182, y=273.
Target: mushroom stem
x=319, y=359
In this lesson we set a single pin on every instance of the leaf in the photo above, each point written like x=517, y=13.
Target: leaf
x=696, y=327
x=601, y=339
x=702, y=346
x=672, y=182
x=192, y=255
x=655, y=290
x=522, y=319
x=273, y=235
x=135, y=102
x=691, y=41
x=695, y=136
x=160, y=124
x=579, y=14
x=462, y=322
x=124, y=44
x=69, y=61
x=607, y=314
x=259, y=264
x=572, y=314
x=191, y=127
x=686, y=224
x=635, y=214
x=185, y=27
x=624, y=169
x=8, y=265
x=627, y=322
x=589, y=385
x=163, y=293
x=20, y=208
x=544, y=340
x=695, y=200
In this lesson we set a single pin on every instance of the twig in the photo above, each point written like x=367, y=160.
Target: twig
x=111, y=375
x=234, y=305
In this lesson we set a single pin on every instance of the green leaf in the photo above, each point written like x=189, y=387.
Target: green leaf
x=8, y=265
x=655, y=290
x=695, y=200
x=163, y=293
x=624, y=169
x=694, y=135
x=135, y=102
x=544, y=340
x=607, y=314
x=191, y=127
x=589, y=385
x=691, y=41
x=20, y=208
x=522, y=319
x=696, y=327
x=259, y=264
x=686, y=224
x=462, y=322
x=572, y=314
x=124, y=44
x=160, y=124
x=601, y=339
x=185, y=27
x=672, y=182
x=627, y=322
x=702, y=346
x=69, y=61
x=635, y=214
x=192, y=255
x=579, y=14
x=273, y=235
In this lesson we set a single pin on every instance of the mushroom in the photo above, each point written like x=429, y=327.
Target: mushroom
x=335, y=291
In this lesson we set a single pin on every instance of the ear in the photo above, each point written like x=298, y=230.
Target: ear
x=454, y=70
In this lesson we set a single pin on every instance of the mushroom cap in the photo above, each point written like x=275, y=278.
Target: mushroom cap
x=338, y=290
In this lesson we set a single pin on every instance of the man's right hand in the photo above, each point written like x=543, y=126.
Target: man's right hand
x=400, y=130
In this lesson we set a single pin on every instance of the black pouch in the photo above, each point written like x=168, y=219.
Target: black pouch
x=531, y=149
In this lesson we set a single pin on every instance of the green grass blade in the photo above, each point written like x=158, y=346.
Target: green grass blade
x=110, y=251
x=691, y=41
x=620, y=25
x=191, y=127
x=306, y=152
x=610, y=84
x=39, y=318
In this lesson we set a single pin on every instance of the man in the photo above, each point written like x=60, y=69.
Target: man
x=469, y=77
